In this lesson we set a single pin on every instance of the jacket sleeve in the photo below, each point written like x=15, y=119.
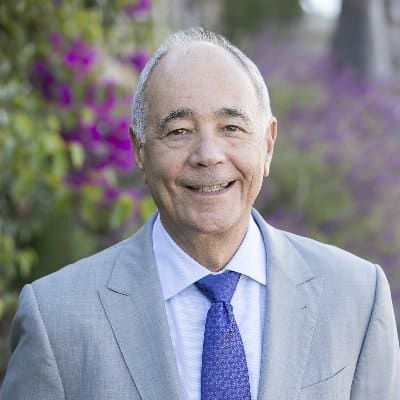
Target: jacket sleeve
x=377, y=375
x=32, y=371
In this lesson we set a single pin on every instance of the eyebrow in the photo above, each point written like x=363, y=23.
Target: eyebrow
x=177, y=113
x=233, y=112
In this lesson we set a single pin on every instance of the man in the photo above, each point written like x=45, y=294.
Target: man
x=206, y=301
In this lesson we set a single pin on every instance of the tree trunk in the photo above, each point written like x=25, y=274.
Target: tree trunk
x=361, y=41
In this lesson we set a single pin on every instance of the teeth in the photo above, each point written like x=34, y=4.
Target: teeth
x=208, y=189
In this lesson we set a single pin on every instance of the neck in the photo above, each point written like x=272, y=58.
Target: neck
x=212, y=251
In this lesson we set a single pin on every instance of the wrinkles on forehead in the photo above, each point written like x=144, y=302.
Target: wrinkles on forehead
x=197, y=54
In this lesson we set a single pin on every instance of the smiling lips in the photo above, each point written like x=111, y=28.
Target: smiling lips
x=210, y=188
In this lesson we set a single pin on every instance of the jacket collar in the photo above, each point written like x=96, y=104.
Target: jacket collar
x=293, y=296
x=135, y=309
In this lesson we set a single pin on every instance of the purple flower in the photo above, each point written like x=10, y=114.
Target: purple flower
x=135, y=193
x=77, y=179
x=94, y=134
x=56, y=39
x=139, y=59
x=90, y=95
x=64, y=95
x=121, y=154
x=101, y=99
x=73, y=135
x=109, y=99
x=52, y=89
x=139, y=10
x=111, y=193
x=106, y=142
x=43, y=78
x=80, y=57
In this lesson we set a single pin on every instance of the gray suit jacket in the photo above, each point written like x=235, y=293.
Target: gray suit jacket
x=97, y=329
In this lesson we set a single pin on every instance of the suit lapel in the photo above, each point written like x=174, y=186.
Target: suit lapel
x=293, y=295
x=134, y=306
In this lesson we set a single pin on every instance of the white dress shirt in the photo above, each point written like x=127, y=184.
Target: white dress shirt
x=187, y=307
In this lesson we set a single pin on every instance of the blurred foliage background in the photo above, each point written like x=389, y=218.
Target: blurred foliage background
x=68, y=183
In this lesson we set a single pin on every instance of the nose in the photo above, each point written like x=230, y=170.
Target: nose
x=208, y=149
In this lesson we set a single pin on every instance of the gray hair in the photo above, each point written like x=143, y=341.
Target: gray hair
x=179, y=39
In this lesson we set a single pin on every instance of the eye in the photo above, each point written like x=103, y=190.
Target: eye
x=232, y=128
x=179, y=132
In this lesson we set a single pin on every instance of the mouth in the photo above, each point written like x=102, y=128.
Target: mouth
x=211, y=188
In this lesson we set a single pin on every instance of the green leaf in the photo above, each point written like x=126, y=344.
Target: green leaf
x=8, y=303
x=7, y=254
x=121, y=211
x=26, y=259
x=77, y=154
x=147, y=208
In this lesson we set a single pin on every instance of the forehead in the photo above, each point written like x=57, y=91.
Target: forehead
x=202, y=77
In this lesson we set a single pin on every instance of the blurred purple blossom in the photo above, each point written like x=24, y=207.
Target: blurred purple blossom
x=43, y=78
x=102, y=98
x=80, y=57
x=56, y=39
x=65, y=95
x=46, y=82
x=106, y=142
x=139, y=10
x=111, y=193
x=139, y=59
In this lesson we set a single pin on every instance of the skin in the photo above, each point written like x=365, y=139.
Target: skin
x=204, y=130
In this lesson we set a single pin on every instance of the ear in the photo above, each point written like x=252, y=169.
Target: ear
x=138, y=149
x=270, y=138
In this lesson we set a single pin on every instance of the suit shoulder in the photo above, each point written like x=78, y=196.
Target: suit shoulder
x=334, y=262
x=350, y=282
x=338, y=267
x=86, y=272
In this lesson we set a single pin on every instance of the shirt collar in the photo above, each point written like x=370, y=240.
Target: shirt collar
x=177, y=270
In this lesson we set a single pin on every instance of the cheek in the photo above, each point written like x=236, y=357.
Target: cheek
x=253, y=162
x=253, y=170
x=161, y=166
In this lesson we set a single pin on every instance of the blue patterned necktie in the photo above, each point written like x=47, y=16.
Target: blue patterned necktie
x=224, y=374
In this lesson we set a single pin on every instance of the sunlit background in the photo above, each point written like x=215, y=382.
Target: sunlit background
x=326, y=9
x=68, y=182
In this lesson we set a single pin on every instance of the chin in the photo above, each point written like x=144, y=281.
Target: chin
x=215, y=223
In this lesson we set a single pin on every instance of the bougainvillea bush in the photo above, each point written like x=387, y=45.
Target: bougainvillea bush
x=336, y=169
x=67, y=183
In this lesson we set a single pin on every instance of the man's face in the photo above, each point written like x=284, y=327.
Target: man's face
x=207, y=147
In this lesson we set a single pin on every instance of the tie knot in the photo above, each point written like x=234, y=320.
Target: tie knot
x=219, y=287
